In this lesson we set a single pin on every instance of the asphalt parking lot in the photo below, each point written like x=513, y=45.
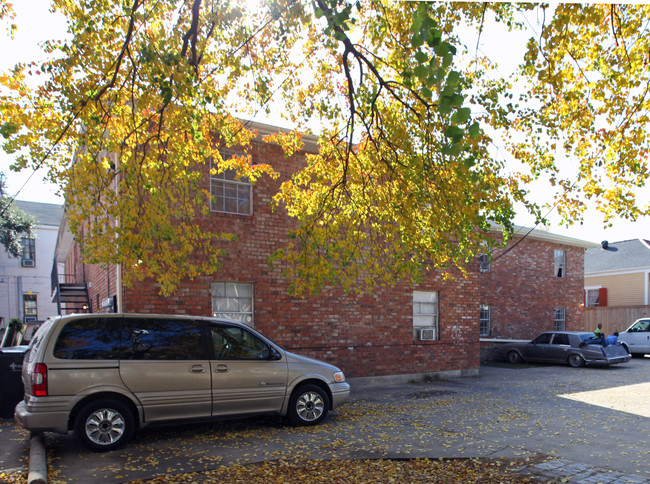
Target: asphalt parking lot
x=590, y=422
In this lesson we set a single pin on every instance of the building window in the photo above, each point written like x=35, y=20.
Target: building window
x=230, y=194
x=559, y=319
x=30, y=307
x=593, y=298
x=560, y=263
x=484, y=262
x=425, y=315
x=233, y=300
x=28, y=258
x=485, y=320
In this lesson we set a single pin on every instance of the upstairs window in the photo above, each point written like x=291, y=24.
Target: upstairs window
x=230, y=194
x=484, y=262
x=560, y=263
x=28, y=258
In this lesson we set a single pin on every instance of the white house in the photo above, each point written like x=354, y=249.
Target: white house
x=25, y=282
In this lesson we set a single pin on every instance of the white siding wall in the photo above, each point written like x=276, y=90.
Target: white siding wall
x=35, y=279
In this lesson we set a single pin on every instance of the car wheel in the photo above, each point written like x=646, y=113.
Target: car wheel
x=104, y=425
x=575, y=361
x=514, y=357
x=308, y=405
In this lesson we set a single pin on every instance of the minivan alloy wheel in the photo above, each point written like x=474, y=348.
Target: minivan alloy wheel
x=104, y=424
x=308, y=405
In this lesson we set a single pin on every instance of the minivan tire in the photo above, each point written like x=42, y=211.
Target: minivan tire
x=308, y=405
x=104, y=425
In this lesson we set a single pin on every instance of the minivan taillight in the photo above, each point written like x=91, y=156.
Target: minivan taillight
x=39, y=380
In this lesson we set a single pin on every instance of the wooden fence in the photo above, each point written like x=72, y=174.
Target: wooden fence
x=613, y=318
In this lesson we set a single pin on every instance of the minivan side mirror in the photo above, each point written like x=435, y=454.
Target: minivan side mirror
x=274, y=354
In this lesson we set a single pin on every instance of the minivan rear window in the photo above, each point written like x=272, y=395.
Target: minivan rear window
x=97, y=338
x=89, y=339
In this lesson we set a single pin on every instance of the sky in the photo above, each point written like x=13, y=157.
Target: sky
x=35, y=24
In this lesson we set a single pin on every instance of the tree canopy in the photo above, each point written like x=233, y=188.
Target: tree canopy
x=14, y=223
x=142, y=94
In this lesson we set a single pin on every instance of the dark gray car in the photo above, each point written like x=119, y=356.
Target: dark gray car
x=575, y=348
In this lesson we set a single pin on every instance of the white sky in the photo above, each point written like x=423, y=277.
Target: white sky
x=35, y=24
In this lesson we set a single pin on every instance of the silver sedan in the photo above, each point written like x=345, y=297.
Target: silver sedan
x=567, y=347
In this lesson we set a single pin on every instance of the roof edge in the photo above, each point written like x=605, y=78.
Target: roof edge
x=543, y=236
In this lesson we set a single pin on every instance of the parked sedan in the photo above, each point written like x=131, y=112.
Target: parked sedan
x=636, y=338
x=565, y=347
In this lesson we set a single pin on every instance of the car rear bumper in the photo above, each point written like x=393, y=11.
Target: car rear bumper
x=41, y=421
x=608, y=361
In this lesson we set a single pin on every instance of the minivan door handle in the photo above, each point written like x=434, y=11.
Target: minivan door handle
x=221, y=368
x=197, y=369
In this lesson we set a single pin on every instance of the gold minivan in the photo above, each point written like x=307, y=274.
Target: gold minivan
x=105, y=375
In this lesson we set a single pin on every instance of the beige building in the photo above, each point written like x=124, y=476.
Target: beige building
x=618, y=274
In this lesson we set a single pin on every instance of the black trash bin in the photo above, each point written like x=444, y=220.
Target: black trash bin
x=11, y=383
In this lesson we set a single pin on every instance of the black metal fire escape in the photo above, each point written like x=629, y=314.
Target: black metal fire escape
x=70, y=296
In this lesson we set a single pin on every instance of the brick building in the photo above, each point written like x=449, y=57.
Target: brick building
x=431, y=329
x=535, y=284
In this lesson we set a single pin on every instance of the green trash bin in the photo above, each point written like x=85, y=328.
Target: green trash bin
x=11, y=383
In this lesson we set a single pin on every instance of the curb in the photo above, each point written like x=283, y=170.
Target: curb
x=37, y=460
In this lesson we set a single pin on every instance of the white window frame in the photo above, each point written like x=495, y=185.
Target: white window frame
x=560, y=263
x=484, y=263
x=589, y=291
x=227, y=192
x=559, y=319
x=425, y=312
x=233, y=300
x=30, y=306
x=28, y=254
x=484, y=320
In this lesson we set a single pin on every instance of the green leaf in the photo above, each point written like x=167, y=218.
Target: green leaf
x=421, y=57
x=474, y=130
x=421, y=71
x=462, y=115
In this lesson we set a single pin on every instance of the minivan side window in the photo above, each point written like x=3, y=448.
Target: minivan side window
x=232, y=343
x=163, y=339
x=89, y=339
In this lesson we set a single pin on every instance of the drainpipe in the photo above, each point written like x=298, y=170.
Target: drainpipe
x=118, y=269
x=118, y=287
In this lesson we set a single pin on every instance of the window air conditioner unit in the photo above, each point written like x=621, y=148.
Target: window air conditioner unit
x=30, y=319
x=426, y=334
x=28, y=263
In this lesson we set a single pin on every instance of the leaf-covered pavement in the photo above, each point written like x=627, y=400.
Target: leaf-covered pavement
x=503, y=418
x=361, y=472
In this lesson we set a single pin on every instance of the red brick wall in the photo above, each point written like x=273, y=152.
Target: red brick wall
x=522, y=290
x=364, y=335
